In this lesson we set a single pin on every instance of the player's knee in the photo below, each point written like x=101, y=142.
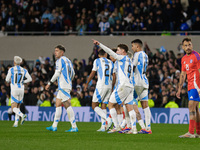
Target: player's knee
x=191, y=106
x=95, y=105
x=144, y=104
x=111, y=105
x=103, y=106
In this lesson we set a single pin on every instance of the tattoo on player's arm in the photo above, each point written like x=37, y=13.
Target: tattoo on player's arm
x=182, y=79
x=192, y=113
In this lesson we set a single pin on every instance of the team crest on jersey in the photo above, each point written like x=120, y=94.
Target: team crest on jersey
x=191, y=60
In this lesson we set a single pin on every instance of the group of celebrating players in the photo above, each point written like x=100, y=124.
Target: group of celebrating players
x=121, y=83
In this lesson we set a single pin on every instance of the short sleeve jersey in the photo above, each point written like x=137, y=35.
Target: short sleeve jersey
x=140, y=61
x=191, y=64
x=65, y=68
x=17, y=74
x=104, y=68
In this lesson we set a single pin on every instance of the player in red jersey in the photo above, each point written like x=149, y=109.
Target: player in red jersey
x=191, y=67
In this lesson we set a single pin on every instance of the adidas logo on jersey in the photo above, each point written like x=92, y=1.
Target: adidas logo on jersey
x=191, y=97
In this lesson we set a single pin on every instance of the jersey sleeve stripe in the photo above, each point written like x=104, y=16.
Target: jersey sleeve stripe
x=12, y=76
x=197, y=55
x=100, y=72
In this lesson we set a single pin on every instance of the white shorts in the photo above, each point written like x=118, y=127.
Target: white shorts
x=141, y=93
x=101, y=95
x=17, y=96
x=122, y=94
x=64, y=95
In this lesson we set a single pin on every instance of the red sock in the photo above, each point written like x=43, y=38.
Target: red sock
x=192, y=126
x=198, y=127
x=110, y=116
x=123, y=115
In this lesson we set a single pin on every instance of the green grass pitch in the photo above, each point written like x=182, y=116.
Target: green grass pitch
x=33, y=136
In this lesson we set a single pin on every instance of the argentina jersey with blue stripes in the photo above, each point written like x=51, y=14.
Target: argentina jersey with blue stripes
x=66, y=73
x=16, y=76
x=124, y=71
x=140, y=61
x=104, y=68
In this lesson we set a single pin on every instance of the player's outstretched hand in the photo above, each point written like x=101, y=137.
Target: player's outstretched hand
x=47, y=87
x=95, y=42
x=178, y=94
x=85, y=87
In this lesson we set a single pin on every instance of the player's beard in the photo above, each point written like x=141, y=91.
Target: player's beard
x=188, y=51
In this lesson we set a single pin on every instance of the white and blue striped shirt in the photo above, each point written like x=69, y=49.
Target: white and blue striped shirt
x=104, y=26
x=64, y=73
x=140, y=61
x=18, y=76
x=104, y=69
x=124, y=67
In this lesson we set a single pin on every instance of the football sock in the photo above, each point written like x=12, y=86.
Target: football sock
x=113, y=114
x=123, y=123
x=57, y=116
x=147, y=114
x=123, y=115
x=198, y=128
x=141, y=123
x=128, y=122
x=132, y=115
x=103, y=121
x=191, y=126
x=100, y=112
x=16, y=119
x=120, y=118
x=18, y=112
x=71, y=117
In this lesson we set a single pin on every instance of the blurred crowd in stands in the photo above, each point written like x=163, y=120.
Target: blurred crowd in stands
x=163, y=75
x=99, y=16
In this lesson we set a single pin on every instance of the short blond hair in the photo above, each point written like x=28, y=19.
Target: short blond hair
x=17, y=60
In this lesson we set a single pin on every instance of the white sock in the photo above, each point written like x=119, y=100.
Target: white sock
x=18, y=112
x=57, y=116
x=113, y=114
x=133, y=118
x=120, y=118
x=16, y=119
x=103, y=121
x=100, y=112
x=127, y=117
x=123, y=124
x=71, y=117
x=141, y=123
x=147, y=114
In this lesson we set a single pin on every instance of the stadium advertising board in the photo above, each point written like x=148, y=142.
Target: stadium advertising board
x=86, y=114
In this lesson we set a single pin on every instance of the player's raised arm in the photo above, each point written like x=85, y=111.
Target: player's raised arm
x=108, y=50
